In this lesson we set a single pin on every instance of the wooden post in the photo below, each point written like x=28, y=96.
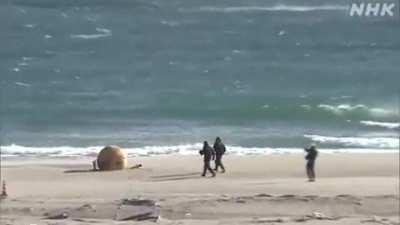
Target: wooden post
x=4, y=190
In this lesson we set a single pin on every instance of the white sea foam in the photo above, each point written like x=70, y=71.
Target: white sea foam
x=29, y=25
x=266, y=106
x=381, y=124
x=26, y=58
x=89, y=36
x=68, y=151
x=188, y=149
x=378, y=112
x=338, y=109
x=289, y=8
x=345, y=108
x=341, y=97
x=23, y=64
x=23, y=84
x=358, y=142
x=102, y=32
x=170, y=23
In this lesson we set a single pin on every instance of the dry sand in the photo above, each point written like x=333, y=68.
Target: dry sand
x=272, y=189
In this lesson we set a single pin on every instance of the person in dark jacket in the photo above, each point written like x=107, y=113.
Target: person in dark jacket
x=208, y=153
x=220, y=149
x=311, y=156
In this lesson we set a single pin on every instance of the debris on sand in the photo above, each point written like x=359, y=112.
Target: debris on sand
x=270, y=220
x=139, y=210
x=57, y=216
x=321, y=216
x=315, y=216
x=263, y=195
x=88, y=207
x=240, y=201
x=379, y=220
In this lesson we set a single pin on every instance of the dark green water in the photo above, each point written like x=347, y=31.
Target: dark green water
x=144, y=73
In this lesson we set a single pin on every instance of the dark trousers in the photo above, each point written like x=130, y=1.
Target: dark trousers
x=310, y=169
x=218, y=163
x=207, y=167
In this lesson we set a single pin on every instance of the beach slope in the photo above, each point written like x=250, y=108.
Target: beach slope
x=270, y=189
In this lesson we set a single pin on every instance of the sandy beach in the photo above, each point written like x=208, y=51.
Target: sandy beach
x=89, y=86
x=270, y=189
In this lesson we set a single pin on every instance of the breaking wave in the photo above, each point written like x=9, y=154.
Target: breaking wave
x=347, y=108
x=102, y=32
x=288, y=8
x=381, y=124
x=189, y=149
x=357, y=142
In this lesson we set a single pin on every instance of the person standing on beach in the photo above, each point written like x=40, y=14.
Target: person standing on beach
x=220, y=149
x=311, y=156
x=209, y=154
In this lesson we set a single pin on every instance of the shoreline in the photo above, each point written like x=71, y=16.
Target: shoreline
x=7, y=158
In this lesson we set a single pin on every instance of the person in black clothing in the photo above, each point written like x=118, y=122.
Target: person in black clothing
x=312, y=154
x=209, y=154
x=220, y=149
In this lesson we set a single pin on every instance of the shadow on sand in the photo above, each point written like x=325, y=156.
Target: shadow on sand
x=172, y=177
x=137, y=166
x=81, y=171
x=175, y=175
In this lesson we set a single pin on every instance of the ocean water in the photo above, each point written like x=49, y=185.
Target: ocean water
x=161, y=76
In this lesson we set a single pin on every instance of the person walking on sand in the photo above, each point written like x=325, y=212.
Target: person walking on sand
x=311, y=156
x=208, y=153
x=220, y=149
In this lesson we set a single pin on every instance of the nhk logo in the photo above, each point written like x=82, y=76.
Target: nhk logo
x=374, y=9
